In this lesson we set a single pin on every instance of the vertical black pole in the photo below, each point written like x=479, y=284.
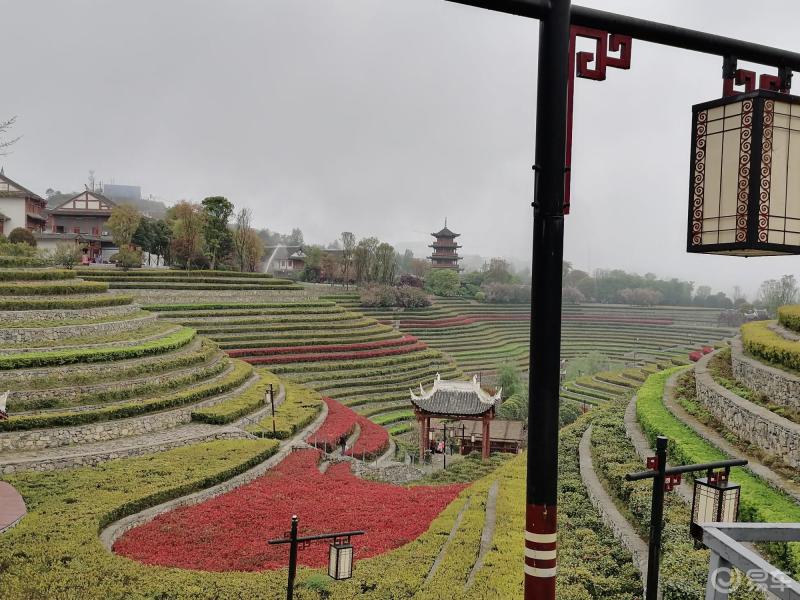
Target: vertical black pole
x=444, y=448
x=545, y=343
x=656, y=519
x=272, y=401
x=292, y=559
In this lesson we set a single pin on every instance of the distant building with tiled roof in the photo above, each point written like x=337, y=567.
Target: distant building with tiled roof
x=20, y=207
x=445, y=250
x=81, y=219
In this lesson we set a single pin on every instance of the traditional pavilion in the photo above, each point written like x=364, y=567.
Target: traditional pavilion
x=445, y=250
x=463, y=400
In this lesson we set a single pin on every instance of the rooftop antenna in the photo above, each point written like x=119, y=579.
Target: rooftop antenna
x=445, y=222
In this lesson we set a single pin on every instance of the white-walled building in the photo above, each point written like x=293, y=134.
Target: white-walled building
x=20, y=207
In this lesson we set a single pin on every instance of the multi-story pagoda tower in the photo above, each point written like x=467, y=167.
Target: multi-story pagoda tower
x=445, y=250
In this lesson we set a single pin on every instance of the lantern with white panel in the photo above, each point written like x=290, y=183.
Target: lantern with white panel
x=340, y=559
x=716, y=500
x=745, y=175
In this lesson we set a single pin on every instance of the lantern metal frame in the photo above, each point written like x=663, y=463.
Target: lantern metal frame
x=337, y=546
x=750, y=219
x=721, y=486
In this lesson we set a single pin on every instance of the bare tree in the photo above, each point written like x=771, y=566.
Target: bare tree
x=241, y=237
x=348, y=247
x=5, y=127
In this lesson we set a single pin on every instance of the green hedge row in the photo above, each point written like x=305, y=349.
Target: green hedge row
x=684, y=568
x=35, y=275
x=237, y=407
x=234, y=306
x=64, y=303
x=760, y=341
x=159, y=364
x=12, y=262
x=300, y=407
x=172, y=273
x=167, y=343
x=183, y=281
x=122, y=285
x=789, y=317
x=759, y=501
x=124, y=392
x=52, y=289
x=240, y=372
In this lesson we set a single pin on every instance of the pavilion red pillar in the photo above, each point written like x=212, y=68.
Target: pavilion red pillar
x=423, y=436
x=485, y=438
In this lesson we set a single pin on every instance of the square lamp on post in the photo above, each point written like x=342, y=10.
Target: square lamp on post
x=340, y=560
x=744, y=197
x=716, y=500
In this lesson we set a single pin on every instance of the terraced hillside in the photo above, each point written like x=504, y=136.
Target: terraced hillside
x=92, y=376
x=170, y=285
x=341, y=353
x=481, y=336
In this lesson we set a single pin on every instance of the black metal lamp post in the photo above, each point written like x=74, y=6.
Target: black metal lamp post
x=664, y=480
x=340, y=554
x=271, y=393
x=560, y=24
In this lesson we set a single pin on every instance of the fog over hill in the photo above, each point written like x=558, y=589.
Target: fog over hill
x=375, y=116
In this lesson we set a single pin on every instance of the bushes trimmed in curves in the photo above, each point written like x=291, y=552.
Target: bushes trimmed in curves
x=238, y=375
x=167, y=343
x=66, y=303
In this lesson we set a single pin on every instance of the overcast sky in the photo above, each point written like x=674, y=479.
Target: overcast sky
x=378, y=116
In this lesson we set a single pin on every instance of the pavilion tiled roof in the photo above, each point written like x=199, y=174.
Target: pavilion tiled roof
x=465, y=398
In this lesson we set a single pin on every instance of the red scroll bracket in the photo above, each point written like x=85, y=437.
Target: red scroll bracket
x=590, y=65
x=733, y=76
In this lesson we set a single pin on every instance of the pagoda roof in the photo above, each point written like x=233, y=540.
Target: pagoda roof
x=445, y=233
x=465, y=398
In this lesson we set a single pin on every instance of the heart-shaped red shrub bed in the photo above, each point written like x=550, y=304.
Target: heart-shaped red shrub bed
x=230, y=532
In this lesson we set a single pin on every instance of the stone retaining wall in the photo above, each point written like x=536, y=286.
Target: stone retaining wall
x=49, y=334
x=781, y=387
x=109, y=430
x=748, y=421
x=21, y=316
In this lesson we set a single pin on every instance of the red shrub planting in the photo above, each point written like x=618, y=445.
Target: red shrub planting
x=707, y=349
x=372, y=441
x=292, y=358
x=402, y=341
x=695, y=356
x=338, y=425
x=230, y=532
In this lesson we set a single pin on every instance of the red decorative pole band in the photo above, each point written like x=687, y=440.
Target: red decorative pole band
x=541, y=552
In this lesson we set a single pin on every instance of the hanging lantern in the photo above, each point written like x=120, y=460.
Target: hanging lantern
x=745, y=175
x=716, y=500
x=340, y=560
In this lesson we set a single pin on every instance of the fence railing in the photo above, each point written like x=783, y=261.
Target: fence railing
x=728, y=552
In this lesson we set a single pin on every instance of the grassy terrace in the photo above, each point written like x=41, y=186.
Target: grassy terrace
x=340, y=353
x=189, y=280
x=480, y=336
x=98, y=374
